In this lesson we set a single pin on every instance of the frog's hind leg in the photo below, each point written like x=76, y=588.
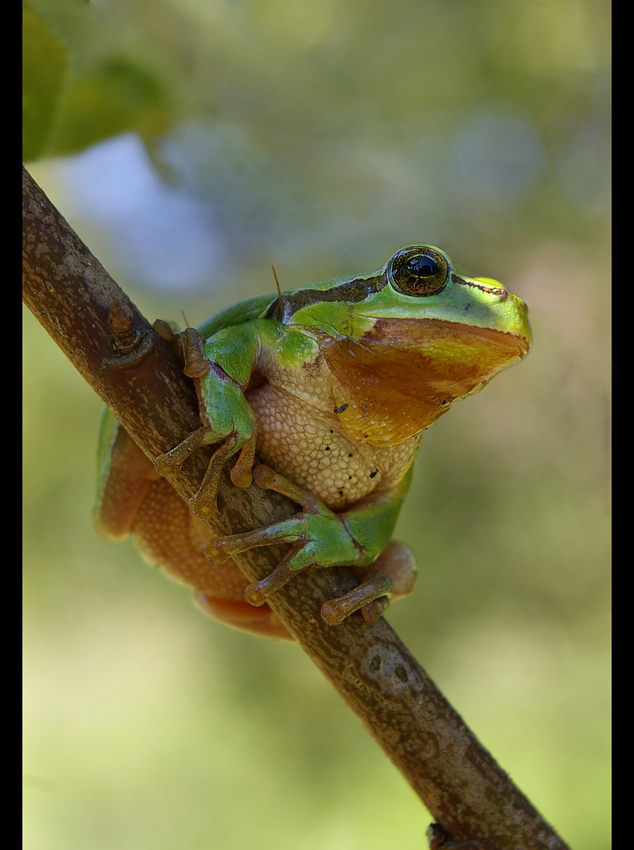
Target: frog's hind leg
x=126, y=476
x=392, y=573
x=171, y=538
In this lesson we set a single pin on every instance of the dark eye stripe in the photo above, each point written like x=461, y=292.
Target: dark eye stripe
x=349, y=292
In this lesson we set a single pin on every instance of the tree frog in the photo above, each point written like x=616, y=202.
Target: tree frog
x=332, y=385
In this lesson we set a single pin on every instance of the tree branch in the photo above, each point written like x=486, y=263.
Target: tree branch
x=460, y=783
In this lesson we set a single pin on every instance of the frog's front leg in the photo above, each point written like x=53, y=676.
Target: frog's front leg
x=203, y=503
x=227, y=420
x=318, y=537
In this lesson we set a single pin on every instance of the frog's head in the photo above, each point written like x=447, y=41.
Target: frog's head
x=406, y=342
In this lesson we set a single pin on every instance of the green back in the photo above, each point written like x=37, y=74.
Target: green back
x=245, y=311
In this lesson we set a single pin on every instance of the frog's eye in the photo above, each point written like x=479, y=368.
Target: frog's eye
x=419, y=271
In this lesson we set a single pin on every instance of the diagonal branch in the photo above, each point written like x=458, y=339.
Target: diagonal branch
x=460, y=783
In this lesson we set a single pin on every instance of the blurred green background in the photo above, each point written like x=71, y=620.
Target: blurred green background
x=190, y=144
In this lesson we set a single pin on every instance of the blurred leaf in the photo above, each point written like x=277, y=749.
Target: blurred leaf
x=89, y=76
x=44, y=69
x=113, y=96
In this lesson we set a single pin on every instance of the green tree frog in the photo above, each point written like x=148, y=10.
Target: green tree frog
x=332, y=385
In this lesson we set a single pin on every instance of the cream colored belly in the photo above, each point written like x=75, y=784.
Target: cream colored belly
x=305, y=445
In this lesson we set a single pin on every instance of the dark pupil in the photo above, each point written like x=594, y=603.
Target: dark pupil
x=422, y=267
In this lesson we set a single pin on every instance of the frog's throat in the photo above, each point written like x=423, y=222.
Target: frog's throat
x=397, y=381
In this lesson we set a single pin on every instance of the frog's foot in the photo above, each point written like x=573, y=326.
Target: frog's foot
x=188, y=346
x=389, y=578
x=192, y=352
x=399, y=562
x=258, y=592
x=371, y=596
x=221, y=549
x=204, y=503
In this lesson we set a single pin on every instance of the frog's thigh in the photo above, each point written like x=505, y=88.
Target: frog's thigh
x=170, y=537
x=125, y=488
x=399, y=562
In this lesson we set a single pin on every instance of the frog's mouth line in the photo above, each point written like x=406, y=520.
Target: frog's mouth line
x=421, y=334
